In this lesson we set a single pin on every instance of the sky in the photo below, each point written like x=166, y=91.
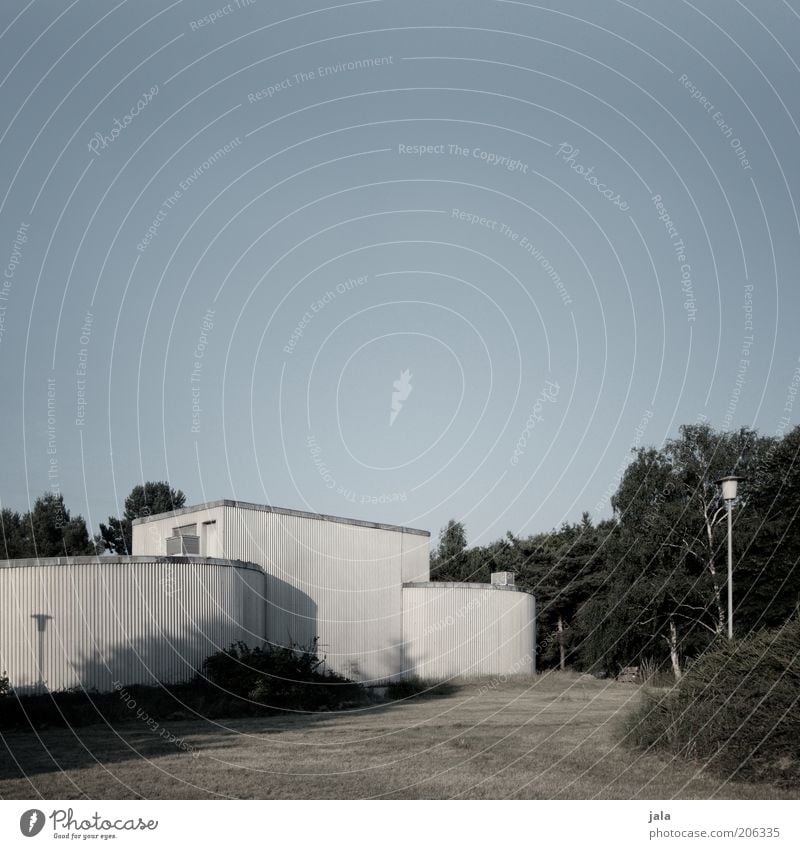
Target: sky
x=395, y=260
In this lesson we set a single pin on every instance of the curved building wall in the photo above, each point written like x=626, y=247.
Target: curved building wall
x=88, y=622
x=460, y=629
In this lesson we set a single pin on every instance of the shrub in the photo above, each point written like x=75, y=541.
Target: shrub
x=736, y=709
x=238, y=682
x=281, y=678
x=5, y=685
x=413, y=687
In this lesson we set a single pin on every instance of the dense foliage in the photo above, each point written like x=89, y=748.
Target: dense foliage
x=280, y=678
x=414, y=687
x=650, y=584
x=736, y=709
x=48, y=530
x=237, y=682
x=146, y=499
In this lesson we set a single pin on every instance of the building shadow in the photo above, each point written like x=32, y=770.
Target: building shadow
x=130, y=734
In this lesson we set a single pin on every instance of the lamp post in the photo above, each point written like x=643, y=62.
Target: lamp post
x=729, y=486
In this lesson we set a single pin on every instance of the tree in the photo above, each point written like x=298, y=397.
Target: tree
x=49, y=530
x=666, y=588
x=767, y=538
x=699, y=457
x=450, y=562
x=563, y=569
x=144, y=500
x=12, y=535
x=54, y=532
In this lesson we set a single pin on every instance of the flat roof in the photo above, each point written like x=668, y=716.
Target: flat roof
x=462, y=585
x=283, y=511
x=123, y=559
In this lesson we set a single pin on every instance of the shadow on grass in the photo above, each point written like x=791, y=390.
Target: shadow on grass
x=72, y=730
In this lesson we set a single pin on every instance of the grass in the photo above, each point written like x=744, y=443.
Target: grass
x=554, y=737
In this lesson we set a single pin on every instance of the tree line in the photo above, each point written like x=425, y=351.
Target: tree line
x=48, y=529
x=650, y=583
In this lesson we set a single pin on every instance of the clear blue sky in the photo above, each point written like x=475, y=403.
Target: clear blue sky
x=228, y=230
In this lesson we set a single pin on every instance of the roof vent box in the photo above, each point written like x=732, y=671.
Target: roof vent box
x=502, y=579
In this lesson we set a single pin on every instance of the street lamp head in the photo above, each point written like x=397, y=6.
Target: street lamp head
x=729, y=486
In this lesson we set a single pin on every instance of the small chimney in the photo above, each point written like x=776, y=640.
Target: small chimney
x=502, y=579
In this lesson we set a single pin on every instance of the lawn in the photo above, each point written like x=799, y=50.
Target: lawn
x=555, y=737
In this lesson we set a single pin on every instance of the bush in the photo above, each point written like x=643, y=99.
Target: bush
x=239, y=682
x=281, y=678
x=736, y=709
x=5, y=685
x=413, y=687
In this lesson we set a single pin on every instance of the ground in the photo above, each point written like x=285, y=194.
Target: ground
x=553, y=737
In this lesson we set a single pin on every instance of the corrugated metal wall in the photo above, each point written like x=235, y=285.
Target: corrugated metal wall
x=90, y=621
x=452, y=630
x=150, y=537
x=416, y=557
x=343, y=584
x=332, y=580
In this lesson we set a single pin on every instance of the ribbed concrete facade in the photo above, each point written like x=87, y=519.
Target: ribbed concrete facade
x=87, y=622
x=339, y=580
x=458, y=629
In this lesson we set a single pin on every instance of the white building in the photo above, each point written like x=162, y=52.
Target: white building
x=203, y=577
x=93, y=621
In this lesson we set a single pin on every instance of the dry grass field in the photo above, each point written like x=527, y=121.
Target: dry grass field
x=555, y=738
